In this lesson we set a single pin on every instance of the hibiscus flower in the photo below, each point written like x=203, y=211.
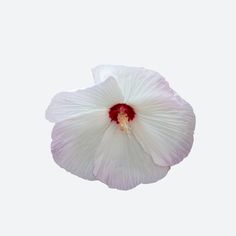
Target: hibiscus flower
x=129, y=128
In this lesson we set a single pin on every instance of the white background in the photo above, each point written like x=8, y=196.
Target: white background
x=49, y=46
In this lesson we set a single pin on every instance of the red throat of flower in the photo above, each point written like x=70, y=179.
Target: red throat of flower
x=122, y=114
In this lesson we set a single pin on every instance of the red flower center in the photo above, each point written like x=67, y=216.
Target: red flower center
x=121, y=113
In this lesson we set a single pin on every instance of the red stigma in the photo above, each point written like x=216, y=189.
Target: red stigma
x=121, y=108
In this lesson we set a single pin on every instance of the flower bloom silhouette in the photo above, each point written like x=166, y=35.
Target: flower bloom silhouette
x=129, y=128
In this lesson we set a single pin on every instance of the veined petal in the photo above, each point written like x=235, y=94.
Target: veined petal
x=74, y=142
x=66, y=105
x=122, y=163
x=164, y=127
x=136, y=83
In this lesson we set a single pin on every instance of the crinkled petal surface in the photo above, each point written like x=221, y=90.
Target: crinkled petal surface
x=122, y=163
x=165, y=131
x=82, y=118
x=134, y=82
x=66, y=105
x=75, y=141
x=164, y=123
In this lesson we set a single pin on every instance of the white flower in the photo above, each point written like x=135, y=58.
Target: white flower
x=126, y=130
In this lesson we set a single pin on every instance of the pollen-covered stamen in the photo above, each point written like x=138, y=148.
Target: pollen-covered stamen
x=122, y=114
x=123, y=120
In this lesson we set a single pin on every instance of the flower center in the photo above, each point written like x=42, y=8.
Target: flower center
x=122, y=114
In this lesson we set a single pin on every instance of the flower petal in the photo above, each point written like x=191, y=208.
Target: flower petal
x=75, y=142
x=70, y=104
x=136, y=83
x=122, y=163
x=164, y=127
x=103, y=72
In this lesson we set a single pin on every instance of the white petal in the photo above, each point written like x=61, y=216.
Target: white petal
x=70, y=104
x=164, y=127
x=136, y=83
x=122, y=163
x=76, y=140
x=103, y=72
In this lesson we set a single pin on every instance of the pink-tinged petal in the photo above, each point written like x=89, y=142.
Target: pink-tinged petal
x=101, y=97
x=75, y=142
x=164, y=126
x=122, y=163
